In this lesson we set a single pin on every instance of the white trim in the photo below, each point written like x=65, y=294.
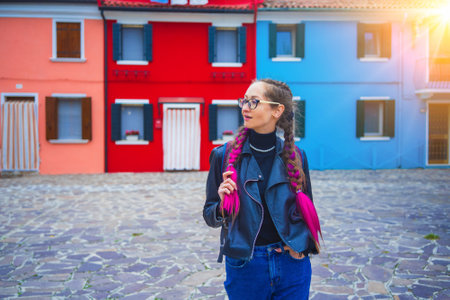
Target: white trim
x=375, y=98
x=225, y=102
x=285, y=59
x=375, y=138
x=373, y=59
x=142, y=17
x=62, y=95
x=54, y=57
x=132, y=101
x=133, y=62
x=225, y=64
x=52, y=10
x=296, y=98
x=427, y=138
x=127, y=142
x=36, y=115
x=226, y=23
x=424, y=94
x=68, y=141
x=345, y=15
x=181, y=105
x=66, y=59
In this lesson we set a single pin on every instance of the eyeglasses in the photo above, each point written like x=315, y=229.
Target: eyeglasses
x=253, y=103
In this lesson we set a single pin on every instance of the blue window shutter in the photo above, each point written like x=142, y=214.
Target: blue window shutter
x=212, y=44
x=212, y=122
x=240, y=117
x=148, y=122
x=242, y=35
x=117, y=41
x=359, y=118
x=148, y=42
x=300, y=40
x=389, y=118
x=116, y=122
x=272, y=40
x=300, y=118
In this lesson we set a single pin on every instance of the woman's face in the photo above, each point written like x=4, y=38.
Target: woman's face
x=264, y=117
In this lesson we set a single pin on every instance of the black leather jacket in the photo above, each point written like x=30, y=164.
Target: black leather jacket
x=241, y=236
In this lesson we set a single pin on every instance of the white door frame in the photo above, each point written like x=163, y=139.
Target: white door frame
x=195, y=106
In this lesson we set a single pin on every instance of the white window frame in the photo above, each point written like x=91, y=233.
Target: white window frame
x=228, y=64
x=131, y=102
x=224, y=102
x=68, y=141
x=54, y=57
x=376, y=137
x=132, y=62
x=292, y=29
x=374, y=58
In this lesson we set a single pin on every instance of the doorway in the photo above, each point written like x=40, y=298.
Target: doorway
x=438, y=132
x=181, y=137
x=19, y=127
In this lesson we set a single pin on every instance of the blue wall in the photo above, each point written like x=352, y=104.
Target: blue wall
x=331, y=79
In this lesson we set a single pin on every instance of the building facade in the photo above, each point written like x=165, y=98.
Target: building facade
x=174, y=74
x=51, y=86
x=355, y=71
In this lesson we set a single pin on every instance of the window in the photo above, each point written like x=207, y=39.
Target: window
x=132, y=43
x=227, y=45
x=439, y=64
x=224, y=119
x=299, y=118
x=68, y=119
x=68, y=41
x=375, y=118
x=287, y=41
x=132, y=120
x=374, y=40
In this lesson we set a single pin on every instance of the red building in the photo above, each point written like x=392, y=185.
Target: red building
x=173, y=77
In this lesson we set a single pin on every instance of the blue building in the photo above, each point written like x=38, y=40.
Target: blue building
x=371, y=83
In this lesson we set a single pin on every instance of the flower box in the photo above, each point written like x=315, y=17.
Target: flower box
x=132, y=135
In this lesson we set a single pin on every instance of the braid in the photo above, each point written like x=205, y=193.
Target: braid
x=280, y=92
x=237, y=144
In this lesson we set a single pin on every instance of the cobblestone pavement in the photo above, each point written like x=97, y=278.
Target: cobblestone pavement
x=137, y=236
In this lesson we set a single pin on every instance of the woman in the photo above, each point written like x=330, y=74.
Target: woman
x=258, y=201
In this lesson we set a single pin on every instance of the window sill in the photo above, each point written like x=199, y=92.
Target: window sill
x=373, y=59
x=133, y=62
x=68, y=141
x=222, y=141
x=125, y=142
x=375, y=138
x=61, y=59
x=286, y=59
x=224, y=64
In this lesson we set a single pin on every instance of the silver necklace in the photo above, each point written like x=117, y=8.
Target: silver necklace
x=262, y=150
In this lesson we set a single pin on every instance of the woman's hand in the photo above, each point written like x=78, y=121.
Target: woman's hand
x=227, y=186
x=296, y=255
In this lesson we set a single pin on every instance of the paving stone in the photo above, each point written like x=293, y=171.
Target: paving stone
x=88, y=244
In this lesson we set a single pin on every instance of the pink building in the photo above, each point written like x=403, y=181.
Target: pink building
x=51, y=87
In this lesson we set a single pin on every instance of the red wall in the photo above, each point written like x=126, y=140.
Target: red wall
x=180, y=68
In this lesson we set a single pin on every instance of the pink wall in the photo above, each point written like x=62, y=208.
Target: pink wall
x=25, y=52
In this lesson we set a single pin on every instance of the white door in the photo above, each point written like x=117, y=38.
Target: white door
x=20, y=144
x=181, y=136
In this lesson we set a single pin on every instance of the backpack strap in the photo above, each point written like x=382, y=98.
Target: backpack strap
x=224, y=231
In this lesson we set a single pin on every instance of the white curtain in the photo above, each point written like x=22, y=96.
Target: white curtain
x=20, y=145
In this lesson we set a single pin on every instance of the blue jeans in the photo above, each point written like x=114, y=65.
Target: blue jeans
x=268, y=275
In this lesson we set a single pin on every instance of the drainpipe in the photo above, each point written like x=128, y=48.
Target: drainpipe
x=105, y=83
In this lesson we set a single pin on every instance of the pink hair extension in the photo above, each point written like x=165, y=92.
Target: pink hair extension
x=231, y=202
x=309, y=214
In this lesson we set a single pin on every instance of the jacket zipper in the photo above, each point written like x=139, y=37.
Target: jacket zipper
x=262, y=216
